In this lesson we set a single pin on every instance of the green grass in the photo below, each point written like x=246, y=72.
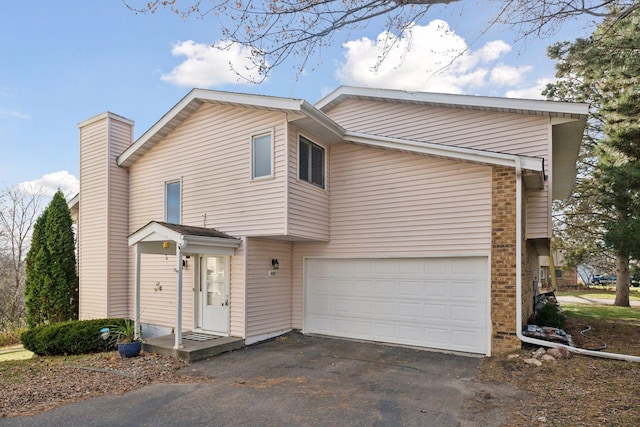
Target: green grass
x=594, y=293
x=584, y=312
x=14, y=353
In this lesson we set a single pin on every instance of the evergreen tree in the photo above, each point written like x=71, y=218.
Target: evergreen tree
x=604, y=70
x=51, y=291
x=36, y=263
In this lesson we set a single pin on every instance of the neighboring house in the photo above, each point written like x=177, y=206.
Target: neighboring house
x=382, y=215
x=566, y=278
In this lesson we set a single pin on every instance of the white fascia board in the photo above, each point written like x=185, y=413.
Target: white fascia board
x=320, y=117
x=232, y=98
x=211, y=241
x=455, y=153
x=153, y=232
x=551, y=108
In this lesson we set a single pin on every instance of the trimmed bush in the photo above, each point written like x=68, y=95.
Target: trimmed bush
x=71, y=337
x=549, y=315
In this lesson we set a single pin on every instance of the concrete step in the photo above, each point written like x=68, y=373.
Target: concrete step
x=192, y=350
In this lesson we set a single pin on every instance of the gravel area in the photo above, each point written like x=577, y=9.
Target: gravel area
x=42, y=383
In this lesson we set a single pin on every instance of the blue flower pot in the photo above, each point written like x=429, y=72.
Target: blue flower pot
x=129, y=349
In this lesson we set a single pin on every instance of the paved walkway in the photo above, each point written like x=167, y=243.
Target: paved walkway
x=570, y=299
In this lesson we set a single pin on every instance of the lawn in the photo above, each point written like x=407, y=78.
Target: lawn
x=601, y=293
x=14, y=353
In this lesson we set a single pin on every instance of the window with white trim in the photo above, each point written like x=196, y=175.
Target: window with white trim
x=172, y=202
x=311, y=162
x=261, y=155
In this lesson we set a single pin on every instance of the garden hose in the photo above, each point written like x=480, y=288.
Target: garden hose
x=587, y=329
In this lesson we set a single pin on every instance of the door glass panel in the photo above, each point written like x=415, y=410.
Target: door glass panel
x=216, y=282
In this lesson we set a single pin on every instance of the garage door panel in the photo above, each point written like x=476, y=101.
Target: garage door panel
x=430, y=302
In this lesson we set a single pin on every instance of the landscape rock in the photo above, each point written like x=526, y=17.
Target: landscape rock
x=532, y=361
x=513, y=356
x=548, y=358
x=559, y=353
x=539, y=352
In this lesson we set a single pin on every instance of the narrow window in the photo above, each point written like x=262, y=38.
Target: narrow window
x=172, y=202
x=311, y=162
x=262, y=156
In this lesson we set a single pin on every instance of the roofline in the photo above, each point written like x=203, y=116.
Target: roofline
x=447, y=151
x=523, y=106
x=105, y=115
x=127, y=157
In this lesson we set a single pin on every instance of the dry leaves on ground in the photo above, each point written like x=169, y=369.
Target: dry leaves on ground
x=580, y=391
x=42, y=383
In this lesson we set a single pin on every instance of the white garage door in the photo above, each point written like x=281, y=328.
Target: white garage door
x=428, y=302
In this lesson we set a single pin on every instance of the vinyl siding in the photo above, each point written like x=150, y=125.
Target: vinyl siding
x=268, y=298
x=500, y=132
x=103, y=217
x=308, y=205
x=92, y=230
x=120, y=137
x=393, y=204
x=210, y=153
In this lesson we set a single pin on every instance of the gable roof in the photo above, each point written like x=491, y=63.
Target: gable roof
x=560, y=110
x=568, y=120
x=152, y=237
x=298, y=111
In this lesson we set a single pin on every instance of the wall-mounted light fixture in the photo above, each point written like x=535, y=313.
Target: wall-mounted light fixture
x=275, y=264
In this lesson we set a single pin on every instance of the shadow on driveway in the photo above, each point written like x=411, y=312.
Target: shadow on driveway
x=299, y=380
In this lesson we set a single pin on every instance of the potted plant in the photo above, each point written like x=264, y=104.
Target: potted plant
x=128, y=342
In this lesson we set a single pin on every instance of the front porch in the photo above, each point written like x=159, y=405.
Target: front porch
x=196, y=346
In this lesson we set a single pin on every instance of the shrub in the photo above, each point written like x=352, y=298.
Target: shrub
x=549, y=315
x=71, y=337
x=10, y=335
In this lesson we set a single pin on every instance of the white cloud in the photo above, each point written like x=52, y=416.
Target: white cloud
x=208, y=66
x=426, y=58
x=51, y=182
x=533, y=92
x=11, y=114
x=506, y=75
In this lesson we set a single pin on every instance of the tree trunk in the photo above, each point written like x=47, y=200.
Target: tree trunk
x=622, y=282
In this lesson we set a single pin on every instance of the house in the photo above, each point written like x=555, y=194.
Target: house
x=401, y=217
x=566, y=278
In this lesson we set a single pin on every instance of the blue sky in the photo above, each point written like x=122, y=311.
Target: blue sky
x=64, y=61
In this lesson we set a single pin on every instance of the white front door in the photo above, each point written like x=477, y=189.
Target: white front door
x=213, y=298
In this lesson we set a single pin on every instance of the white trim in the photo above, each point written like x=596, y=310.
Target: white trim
x=263, y=337
x=324, y=162
x=447, y=151
x=271, y=132
x=166, y=205
x=513, y=105
x=105, y=115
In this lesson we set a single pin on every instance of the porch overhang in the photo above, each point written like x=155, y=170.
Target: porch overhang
x=162, y=238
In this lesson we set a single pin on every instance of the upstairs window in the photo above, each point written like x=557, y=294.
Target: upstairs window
x=172, y=202
x=261, y=156
x=311, y=162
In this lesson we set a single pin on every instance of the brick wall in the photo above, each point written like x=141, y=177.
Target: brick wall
x=503, y=261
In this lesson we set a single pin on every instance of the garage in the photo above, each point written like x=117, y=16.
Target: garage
x=440, y=303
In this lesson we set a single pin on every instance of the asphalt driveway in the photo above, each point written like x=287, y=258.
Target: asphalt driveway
x=299, y=380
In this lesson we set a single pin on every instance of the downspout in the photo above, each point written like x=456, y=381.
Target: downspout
x=519, y=334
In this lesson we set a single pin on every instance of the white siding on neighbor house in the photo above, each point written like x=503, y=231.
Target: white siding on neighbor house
x=393, y=204
x=500, y=132
x=103, y=217
x=268, y=298
x=210, y=152
x=308, y=205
